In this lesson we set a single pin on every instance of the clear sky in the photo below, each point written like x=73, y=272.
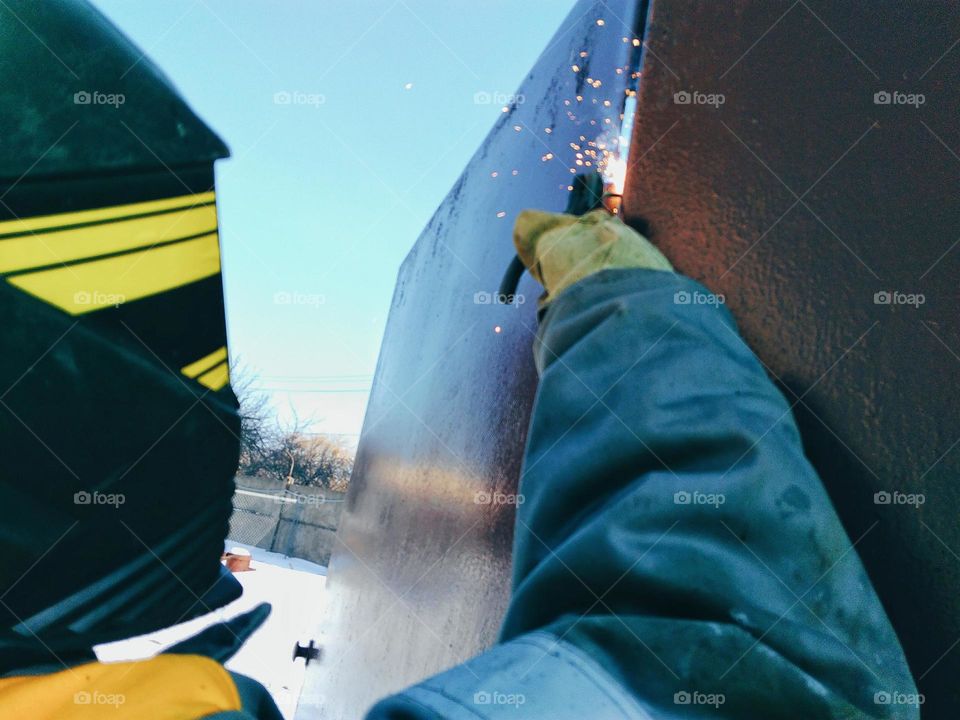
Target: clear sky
x=325, y=194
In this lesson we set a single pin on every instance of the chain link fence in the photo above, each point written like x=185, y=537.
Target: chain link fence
x=298, y=522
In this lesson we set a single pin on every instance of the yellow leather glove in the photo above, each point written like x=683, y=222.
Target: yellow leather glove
x=560, y=250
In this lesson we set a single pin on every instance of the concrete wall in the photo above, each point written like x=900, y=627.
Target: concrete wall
x=301, y=523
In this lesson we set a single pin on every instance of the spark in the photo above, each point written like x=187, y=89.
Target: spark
x=501, y=214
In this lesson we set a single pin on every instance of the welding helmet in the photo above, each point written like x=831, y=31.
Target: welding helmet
x=118, y=426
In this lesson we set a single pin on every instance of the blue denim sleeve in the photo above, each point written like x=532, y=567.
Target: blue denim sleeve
x=676, y=554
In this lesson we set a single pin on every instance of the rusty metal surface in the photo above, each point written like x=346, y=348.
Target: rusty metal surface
x=419, y=579
x=799, y=198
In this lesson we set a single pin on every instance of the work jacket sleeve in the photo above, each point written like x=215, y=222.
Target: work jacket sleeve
x=675, y=553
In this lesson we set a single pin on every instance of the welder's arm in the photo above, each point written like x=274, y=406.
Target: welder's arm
x=676, y=555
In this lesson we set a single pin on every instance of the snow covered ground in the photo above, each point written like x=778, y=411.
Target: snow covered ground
x=295, y=588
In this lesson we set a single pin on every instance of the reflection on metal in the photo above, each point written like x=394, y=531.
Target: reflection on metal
x=419, y=578
x=822, y=204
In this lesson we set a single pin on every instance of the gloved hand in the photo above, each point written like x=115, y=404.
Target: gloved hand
x=560, y=250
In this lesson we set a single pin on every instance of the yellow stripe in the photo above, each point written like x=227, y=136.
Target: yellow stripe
x=89, y=286
x=30, y=251
x=215, y=378
x=44, y=222
x=204, y=363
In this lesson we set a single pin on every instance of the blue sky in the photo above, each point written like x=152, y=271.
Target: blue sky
x=325, y=194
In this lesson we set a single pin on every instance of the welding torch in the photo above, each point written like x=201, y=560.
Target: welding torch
x=590, y=192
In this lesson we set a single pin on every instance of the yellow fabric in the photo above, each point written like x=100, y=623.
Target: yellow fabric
x=89, y=286
x=200, y=366
x=99, y=215
x=560, y=250
x=78, y=243
x=215, y=378
x=167, y=687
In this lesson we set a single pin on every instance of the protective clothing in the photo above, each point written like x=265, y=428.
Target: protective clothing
x=186, y=682
x=560, y=249
x=676, y=554
x=120, y=430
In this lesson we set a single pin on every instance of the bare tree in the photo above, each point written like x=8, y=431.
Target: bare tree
x=299, y=459
x=258, y=429
x=290, y=455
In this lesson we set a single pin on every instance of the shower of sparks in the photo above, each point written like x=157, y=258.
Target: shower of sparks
x=607, y=152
